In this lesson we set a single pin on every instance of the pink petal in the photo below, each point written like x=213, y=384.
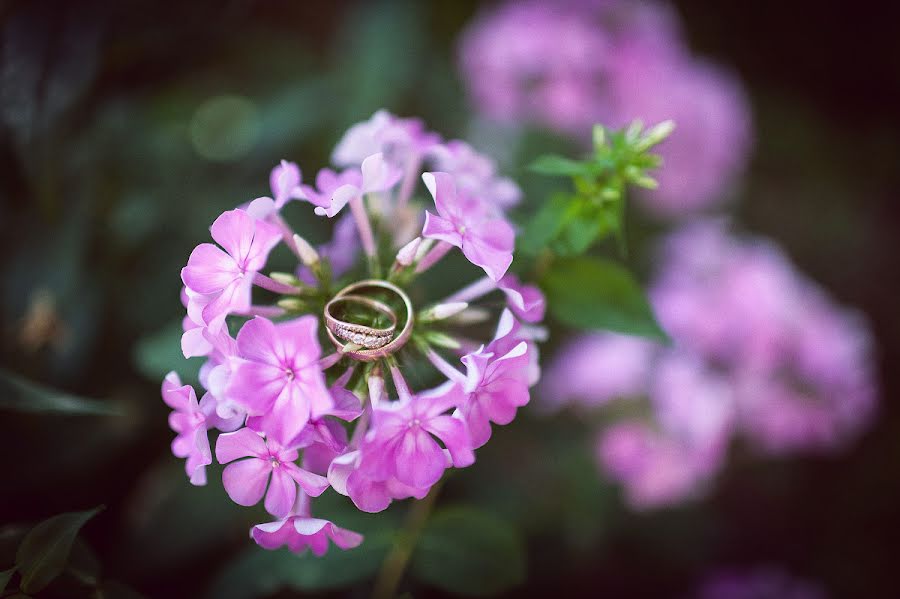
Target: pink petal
x=339, y=199
x=288, y=415
x=312, y=484
x=453, y=432
x=490, y=247
x=442, y=189
x=194, y=343
x=298, y=343
x=257, y=341
x=233, y=230
x=245, y=480
x=265, y=237
x=256, y=386
x=442, y=229
x=209, y=269
x=241, y=443
x=343, y=538
x=273, y=535
x=282, y=492
x=419, y=459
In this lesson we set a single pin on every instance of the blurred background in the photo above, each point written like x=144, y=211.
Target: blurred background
x=125, y=128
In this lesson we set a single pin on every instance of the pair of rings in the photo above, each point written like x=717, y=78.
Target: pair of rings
x=374, y=343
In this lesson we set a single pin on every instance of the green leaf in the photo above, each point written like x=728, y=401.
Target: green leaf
x=577, y=235
x=546, y=224
x=21, y=395
x=592, y=293
x=5, y=577
x=559, y=166
x=470, y=552
x=44, y=551
x=158, y=354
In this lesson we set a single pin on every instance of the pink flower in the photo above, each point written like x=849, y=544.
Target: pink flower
x=377, y=175
x=596, y=368
x=526, y=301
x=267, y=463
x=285, y=184
x=402, y=141
x=301, y=532
x=475, y=174
x=402, y=442
x=758, y=583
x=278, y=379
x=327, y=181
x=227, y=276
x=496, y=386
x=655, y=469
x=486, y=241
x=538, y=62
x=189, y=420
x=368, y=494
x=712, y=140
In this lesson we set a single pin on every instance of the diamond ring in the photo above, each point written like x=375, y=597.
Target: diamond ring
x=373, y=343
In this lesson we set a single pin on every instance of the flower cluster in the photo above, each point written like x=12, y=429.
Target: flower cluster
x=759, y=353
x=294, y=419
x=568, y=65
x=756, y=583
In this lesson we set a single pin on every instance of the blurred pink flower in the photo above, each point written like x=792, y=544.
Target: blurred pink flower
x=759, y=353
x=595, y=368
x=758, y=583
x=570, y=65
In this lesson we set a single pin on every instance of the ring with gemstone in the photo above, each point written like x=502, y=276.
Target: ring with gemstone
x=374, y=343
x=365, y=336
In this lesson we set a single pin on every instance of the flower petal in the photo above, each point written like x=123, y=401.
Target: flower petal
x=245, y=480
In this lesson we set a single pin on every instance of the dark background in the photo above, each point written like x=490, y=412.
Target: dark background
x=102, y=197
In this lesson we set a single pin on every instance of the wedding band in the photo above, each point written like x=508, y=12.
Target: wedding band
x=366, y=336
x=389, y=342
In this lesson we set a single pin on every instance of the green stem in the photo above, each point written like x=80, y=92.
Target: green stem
x=394, y=564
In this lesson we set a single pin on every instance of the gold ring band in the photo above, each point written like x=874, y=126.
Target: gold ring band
x=394, y=343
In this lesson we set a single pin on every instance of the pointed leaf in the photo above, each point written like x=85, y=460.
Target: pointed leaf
x=559, y=166
x=592, y=293
x=45, y=550
x=21, y=395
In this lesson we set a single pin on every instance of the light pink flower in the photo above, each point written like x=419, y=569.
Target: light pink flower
x=267, y=464
x=486, y=241
x=227, y=276
x=402, y=141
x=299, y=533
x=496, y=385
x=189, y=420
x=654, y=468
x=376, y=175
x=285, y=182
x=368, y=494
x=402, y=445
x=526, y=301
x=278, y=379
x=475, y=174
x=595, y=368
